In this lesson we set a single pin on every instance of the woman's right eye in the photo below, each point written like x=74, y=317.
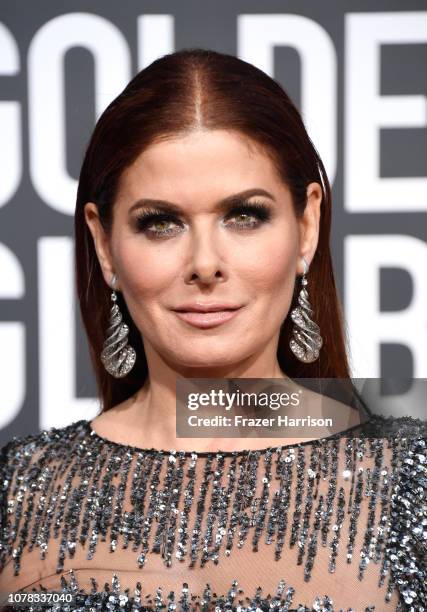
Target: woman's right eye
x=158, y=225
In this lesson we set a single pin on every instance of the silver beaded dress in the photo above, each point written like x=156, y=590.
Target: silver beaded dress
x=334, y=524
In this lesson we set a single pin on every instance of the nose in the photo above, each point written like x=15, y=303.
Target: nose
x=205, y=264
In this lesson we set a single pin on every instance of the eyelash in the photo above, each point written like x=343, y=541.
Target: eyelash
x=148, y=217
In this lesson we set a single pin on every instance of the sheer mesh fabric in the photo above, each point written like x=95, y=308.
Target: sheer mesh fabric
x=318, y=516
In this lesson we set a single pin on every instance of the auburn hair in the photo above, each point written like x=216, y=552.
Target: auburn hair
x=176, y=94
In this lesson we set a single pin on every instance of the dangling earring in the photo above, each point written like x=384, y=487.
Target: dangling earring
x=307, y=341
x=117, y=355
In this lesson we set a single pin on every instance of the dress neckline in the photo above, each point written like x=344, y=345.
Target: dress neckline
x=272, y=449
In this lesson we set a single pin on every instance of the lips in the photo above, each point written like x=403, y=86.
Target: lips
x=207, y=307
x=207, y=315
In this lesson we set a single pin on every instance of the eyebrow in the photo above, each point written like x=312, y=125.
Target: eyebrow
x=222, y=205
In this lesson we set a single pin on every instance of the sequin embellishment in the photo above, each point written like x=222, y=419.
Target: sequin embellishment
x=73, y=486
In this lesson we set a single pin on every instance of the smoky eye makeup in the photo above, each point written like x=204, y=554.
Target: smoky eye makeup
x=258, y=210
x=158, y=223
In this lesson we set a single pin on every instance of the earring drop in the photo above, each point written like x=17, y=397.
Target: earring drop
x=117, y=355
x=307, y=341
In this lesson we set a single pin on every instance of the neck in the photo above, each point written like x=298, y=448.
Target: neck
x=152, y=413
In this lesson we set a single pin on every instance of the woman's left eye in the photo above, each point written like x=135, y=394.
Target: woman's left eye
x=246, y=219
x=249, y=215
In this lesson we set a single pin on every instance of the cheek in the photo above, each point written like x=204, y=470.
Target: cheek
x=270, y=267
x=144, y=273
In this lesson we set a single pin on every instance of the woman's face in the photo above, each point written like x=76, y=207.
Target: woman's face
x=219, y=233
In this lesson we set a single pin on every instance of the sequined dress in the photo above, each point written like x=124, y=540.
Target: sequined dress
x=335, y=524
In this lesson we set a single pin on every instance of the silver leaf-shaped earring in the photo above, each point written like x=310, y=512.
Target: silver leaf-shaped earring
x=306, y=341
x=117, y=355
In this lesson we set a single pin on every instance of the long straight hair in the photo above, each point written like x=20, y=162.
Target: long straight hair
x=176, y=94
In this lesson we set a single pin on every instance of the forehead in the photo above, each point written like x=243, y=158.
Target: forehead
x=202, y=167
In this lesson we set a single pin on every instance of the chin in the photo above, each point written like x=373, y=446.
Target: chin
x=205, y=358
